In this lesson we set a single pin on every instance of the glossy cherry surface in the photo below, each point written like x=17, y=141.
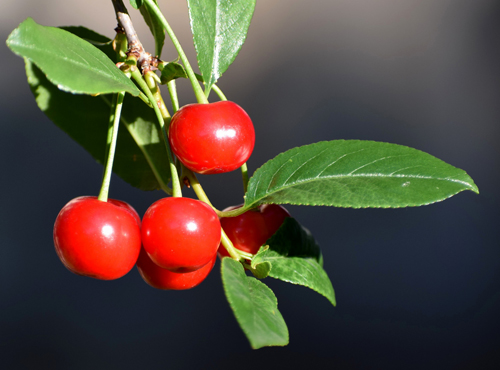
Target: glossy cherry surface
x=180, y=234
x=161, y=278
x=250, y=230
x=212, y=138
x=98, y=239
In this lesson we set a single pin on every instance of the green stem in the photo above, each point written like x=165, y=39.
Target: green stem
x=198, y=189
x=244, y=176
x=114, y=124
x=215, y=88
x=176, y=186
x=228, y=244
x=150, y=78
x=200, y=193
x=233, y=213
x=219, y=92
x=145, y=99
x=207, y=92
x=133, y=133
x=172, y=91
x=200, y=96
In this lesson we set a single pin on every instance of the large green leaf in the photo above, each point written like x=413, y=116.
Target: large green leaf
x=292, y=255
x=69, y=62
x=101, y=42
x=254, y=305
x=219, y=30
x=140, y=157
x=358, y=174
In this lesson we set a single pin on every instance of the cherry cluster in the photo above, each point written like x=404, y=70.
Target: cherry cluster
x=176, y=244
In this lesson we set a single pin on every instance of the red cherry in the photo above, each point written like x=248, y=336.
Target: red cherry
x=180, y=234
x=98, y=239
x=160, y=278
x=212, y=138
x=250, y=230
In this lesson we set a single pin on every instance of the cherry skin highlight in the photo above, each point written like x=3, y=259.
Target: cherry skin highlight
x=98, y=239
x=212, y=138
x=250, y=230
x=180, y=234
x=160, y=278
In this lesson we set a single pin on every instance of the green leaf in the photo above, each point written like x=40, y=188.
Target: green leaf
x=101, y=42
x=69, y=62
x=293, y=256
x=172, y=71
x=136, y=4
x=140, y=157
x=261, y=269
x=219, y=30
x=154, y=25
x=358, y=174
x=254, y=305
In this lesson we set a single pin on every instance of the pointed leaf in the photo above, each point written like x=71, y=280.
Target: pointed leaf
x=219, y=30
x=69, y=62
x=358, y=174
x=254, y=305
x=154, y=25
x=295, y=258
x=140, y=157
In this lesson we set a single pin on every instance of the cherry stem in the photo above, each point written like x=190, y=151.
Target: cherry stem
x=200, y=193
x=215, y=88
x=200, y=96
x=172, y=91
x=145, y=99
x=228, y=244
x=198, y=189
x=219, y=92
x=176, y=186
x=152, y=164
x=244, y=176
x=114, y=123
x=233, y=213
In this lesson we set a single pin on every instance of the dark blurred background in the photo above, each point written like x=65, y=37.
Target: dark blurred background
x=416, y=288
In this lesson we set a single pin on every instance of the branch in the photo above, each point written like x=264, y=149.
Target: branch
x=144, y=59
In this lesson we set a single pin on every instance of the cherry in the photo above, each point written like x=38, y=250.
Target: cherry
x=212, y=138
x=98, y=239
x=250, y=230
x=160, y=278
x=180, y=234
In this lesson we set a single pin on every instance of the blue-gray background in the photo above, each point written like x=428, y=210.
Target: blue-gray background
x=416, y=288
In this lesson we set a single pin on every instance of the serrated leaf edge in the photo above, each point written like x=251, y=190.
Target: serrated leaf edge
x=471, y=186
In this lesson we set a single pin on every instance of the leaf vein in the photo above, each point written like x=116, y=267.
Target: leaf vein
x=338, y=159
x=303, y=164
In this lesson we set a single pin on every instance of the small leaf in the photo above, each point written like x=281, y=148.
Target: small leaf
x=69, y=62
x=136, y=4
x=262, y=268
x=140, y=157
x=172, y=71
x=355, y=173
x=219, y=30
x=254, y=305
x=295, y=258
x=154, y=25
